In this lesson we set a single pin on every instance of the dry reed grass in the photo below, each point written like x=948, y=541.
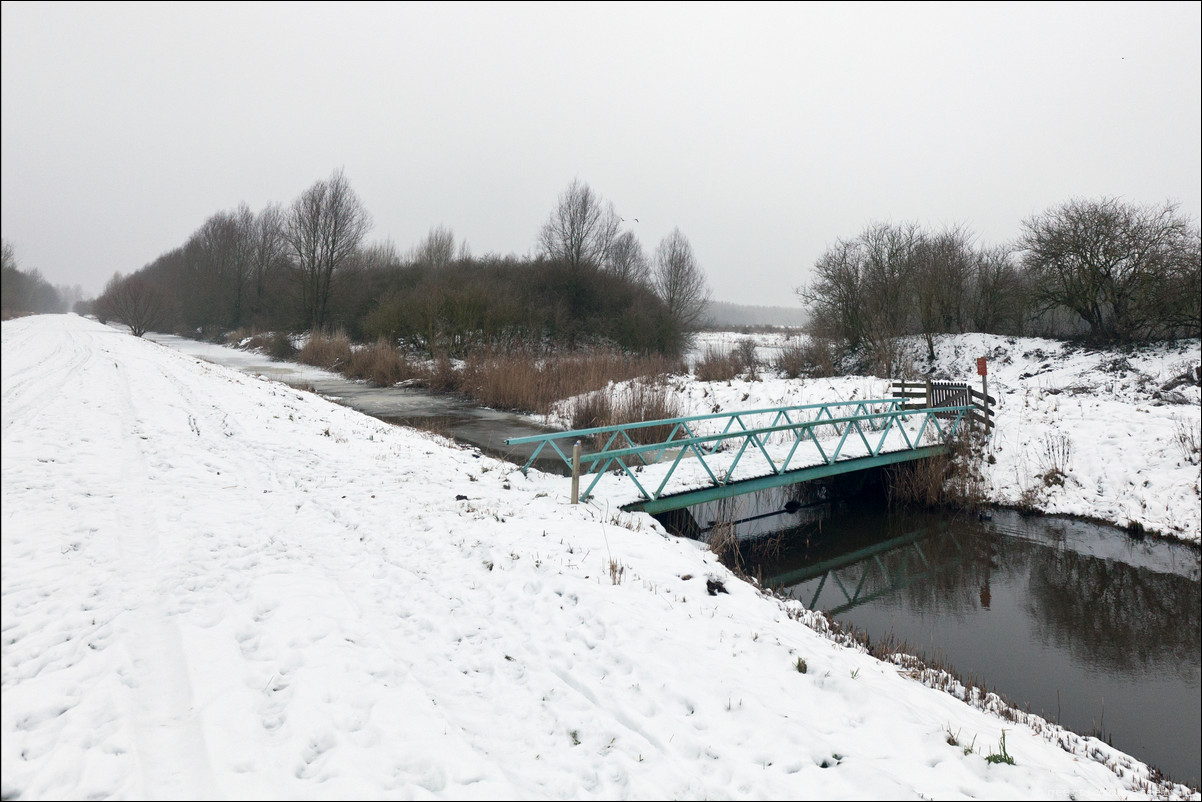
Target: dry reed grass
x=716, y=365
x=950, y=480
x=277, y=345
x=381, y=364
x=328, y=351
x=523, y=379
x=814, y=357
x=534, y=382
x=636, y=402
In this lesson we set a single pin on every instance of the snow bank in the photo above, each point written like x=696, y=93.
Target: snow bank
x=218, y=586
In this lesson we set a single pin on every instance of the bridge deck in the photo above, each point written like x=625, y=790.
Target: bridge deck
x=707, y=457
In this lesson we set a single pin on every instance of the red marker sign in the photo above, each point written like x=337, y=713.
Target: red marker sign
x=980, y=366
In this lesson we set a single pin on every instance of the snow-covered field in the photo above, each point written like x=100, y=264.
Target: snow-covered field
x=1105, y=418
x=215, y=586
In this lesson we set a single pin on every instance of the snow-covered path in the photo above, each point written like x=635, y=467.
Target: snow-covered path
x=216, y=586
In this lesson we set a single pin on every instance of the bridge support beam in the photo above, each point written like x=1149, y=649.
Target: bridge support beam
x=689, y=498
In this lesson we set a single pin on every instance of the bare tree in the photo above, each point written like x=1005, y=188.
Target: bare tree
x=998, y=293
x=268, y=256
x=221, y=263
x=626, y=259
x=942, y=273
x=438, y=248
x=862, y=290
x=581, y=229
x=324, y=228
x=833, y=294
x=134, y=301
x=679, y=281
x=1129, y=271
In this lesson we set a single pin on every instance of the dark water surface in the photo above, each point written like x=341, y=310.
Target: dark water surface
x=1073, y=621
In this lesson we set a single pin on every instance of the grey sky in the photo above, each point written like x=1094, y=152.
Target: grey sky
x=764, y=132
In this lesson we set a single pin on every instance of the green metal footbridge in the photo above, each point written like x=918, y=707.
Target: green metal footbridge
x=663, y=465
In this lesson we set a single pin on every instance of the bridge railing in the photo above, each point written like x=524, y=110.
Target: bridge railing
x=722, y=448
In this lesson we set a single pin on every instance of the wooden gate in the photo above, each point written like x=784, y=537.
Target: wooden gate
x=937, y=394
x=949, y=394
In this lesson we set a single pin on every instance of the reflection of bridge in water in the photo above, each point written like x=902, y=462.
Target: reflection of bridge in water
x=866, y=574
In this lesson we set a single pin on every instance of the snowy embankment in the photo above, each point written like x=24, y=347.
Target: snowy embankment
x=1111, y=424
x=218, y=586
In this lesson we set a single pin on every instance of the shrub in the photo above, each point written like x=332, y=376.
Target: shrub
x=951, y=480
x=277, y=345
x=639, y=401
x=328, y=351
x=531, y=381
x=717, y=366
x=381, y=364
x=815, y=357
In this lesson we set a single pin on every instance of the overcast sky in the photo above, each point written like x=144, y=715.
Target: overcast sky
x=764, y=132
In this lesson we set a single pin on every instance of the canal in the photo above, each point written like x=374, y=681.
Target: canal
x=1076, y=622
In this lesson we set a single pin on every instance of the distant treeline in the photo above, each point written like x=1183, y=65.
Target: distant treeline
x=720, y=315
x=308, y=267
x=27, y=293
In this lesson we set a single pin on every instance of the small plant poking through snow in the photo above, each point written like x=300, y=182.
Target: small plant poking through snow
x=801, y=665
x=1188, y=437
x=1055, y=458
x=616, y=571
x=1001, y=756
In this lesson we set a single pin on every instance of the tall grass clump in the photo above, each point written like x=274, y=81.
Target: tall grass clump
x=277, y=345
x=441, y=376
x=635, y=402
x=382, y=364
x=723, y=539
x=533, y=382
x=813, y=357
x=1055, y=458
x=1187, y=436
x=716, y=365
x=952, y=480
x=328, y=351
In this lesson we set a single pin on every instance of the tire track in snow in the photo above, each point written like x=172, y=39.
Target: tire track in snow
x=165, y=722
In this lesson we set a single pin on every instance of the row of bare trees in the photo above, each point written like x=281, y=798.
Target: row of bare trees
x=584, y=231
x=309, y=266
x=1105, y=269
x=247, y=269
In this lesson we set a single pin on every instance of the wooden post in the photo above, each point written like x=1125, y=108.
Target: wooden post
x=576, y=473
x=985, y=400
x=928, y=404
x=905, y=401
